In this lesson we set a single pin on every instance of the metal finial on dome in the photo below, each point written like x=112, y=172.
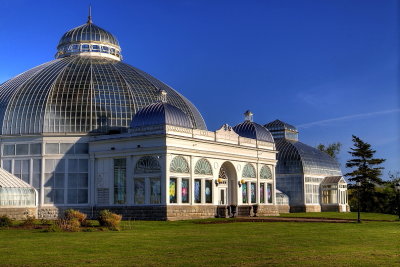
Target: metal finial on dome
x=162, y=96
x=90, y=21
x=248, y=115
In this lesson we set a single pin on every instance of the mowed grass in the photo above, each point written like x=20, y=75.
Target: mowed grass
x=344, y=215
x=181, y=243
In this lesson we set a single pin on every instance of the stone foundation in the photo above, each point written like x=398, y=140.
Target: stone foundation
x=19, y=213
x=335, y=208
x=170, y=212
x=283, y=208
x=305, y=208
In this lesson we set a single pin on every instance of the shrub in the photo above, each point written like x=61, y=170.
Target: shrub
x=29, y=221
x=109, y=220
x=5, y=221
x=72, y=225
x=90, y=223
x=71, y=214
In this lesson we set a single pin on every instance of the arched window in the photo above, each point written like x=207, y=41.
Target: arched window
x=265, y=172
x=249, y=171
x=203, y=167
x=147, y=164
x=179, y=165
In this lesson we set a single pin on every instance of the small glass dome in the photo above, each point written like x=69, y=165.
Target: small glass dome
x=253, y=130
x=161, y=113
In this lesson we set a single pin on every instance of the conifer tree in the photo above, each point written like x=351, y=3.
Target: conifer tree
x=331, y=149
x=366, y=170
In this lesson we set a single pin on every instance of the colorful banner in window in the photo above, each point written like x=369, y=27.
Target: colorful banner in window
x=185, y=190
x=172, y=190
x=197, y=191
x=244, y=193
x=262, y=193
x=253, y=192
x=208, y=191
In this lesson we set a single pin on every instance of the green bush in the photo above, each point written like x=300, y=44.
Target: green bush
x=71, y=214
x=110, y=220
x=29, y=221
x=5, y=221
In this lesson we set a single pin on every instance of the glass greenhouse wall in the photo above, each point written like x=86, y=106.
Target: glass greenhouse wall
x=17, y=197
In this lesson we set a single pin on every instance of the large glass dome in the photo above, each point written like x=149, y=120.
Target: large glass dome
x=86, y=89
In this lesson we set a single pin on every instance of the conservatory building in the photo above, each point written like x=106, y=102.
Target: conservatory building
x=89, y=132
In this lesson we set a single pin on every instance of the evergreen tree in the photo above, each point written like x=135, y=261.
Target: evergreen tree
x=331, y=149
x=366, y=170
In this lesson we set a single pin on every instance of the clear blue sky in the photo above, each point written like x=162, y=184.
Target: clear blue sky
x=329, y=67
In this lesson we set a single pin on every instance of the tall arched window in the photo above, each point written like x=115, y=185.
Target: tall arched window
x=203, y=166
x=147, y=164
x=249, y=171
x=179, y=165
x=265, y=172
x=147, y=174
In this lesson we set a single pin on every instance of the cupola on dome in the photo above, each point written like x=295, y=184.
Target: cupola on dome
x=250, y=129
x=89, y=39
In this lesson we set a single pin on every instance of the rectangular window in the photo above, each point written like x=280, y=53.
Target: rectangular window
x=77, y=181
x=119, y=181
x=172, y=190
x=155, y=191
x=81, y=148
x=253, y=191
x=262, y=192
x=197, y=191
x=54, y=181
x=52, y=148
x=185, y=190
x=139, y=191
x=244, y=193
x=208, y=191
x=7, y=165
x=21, y=169
x=22, y=149
x=269, y=193
x=35, y=149
x=9, y=150
x=66, y=148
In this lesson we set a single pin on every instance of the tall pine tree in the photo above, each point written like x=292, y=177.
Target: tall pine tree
x=366, y=170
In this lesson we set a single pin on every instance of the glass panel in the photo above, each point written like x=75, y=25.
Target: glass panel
x=52, y=148
x=35, y=149
x=7, y=165
x=253, y=191
x=58, y=196
x=66, y=148
x=155, y=191
x=185, y=190
x=179, y=165
x=81, y=148
x=22, y=149
x=139, y=188
x=197, y=191
x=83, y=165
x=208, y=191
x=82, y=196
x=244, y=193
x=72, y=196
x=249, y=171
x=9, y=150
x=119, y=181
x=172, y=190
x=203, y=167
x=262, y=192
x=269, y=193
x=265, y=172
x=147, y=164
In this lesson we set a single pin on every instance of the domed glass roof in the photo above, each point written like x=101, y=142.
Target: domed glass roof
x=296, y=157
x=253, y=130
x=161, y=114
x=83, y=92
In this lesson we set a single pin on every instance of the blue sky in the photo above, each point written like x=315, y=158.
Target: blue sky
x=329, y=67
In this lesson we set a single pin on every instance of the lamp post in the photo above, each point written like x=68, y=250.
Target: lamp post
x=397, y=187
x=358, y=201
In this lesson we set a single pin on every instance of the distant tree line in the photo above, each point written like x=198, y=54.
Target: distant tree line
x=376, y=195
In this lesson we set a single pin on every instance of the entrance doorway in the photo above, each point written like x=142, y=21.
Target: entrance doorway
x=227, y=179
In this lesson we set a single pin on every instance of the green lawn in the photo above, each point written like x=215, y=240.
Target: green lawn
x=343, y=215
x=193, y=244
